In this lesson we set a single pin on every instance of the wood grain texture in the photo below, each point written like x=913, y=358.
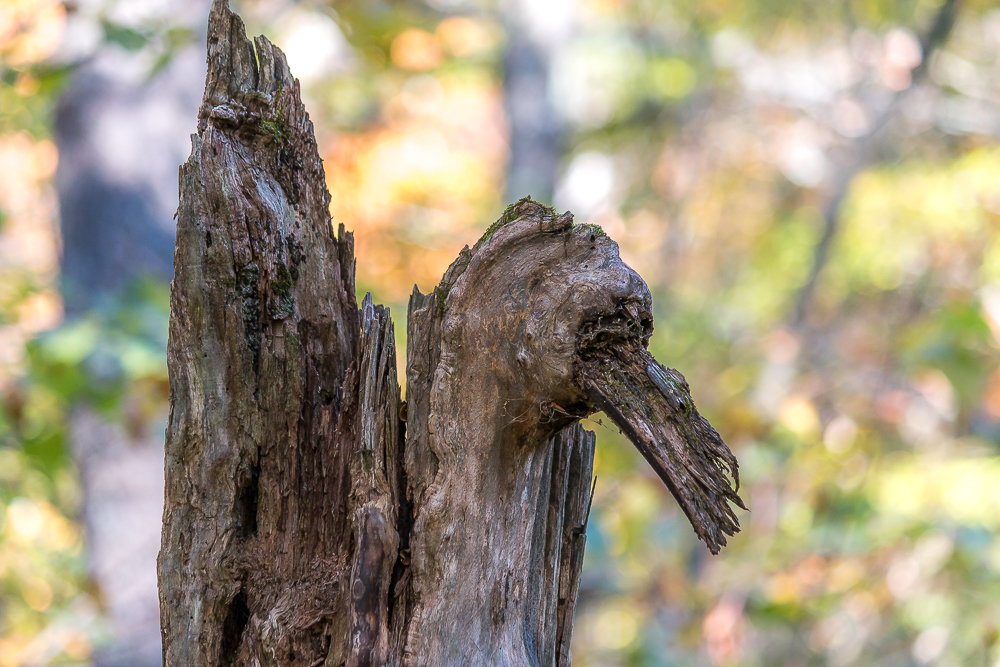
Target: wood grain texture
x=264, y=329
x=497, y=488
x=538, y=325
x=378, y=490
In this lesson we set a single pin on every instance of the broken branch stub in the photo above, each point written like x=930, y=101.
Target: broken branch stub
x=652, y=405
x=538, y=325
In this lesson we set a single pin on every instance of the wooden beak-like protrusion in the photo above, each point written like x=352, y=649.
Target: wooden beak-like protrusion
x=652, y=406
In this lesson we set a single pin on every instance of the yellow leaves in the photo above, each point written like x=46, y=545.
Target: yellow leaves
x=36, y=593
x=47, y=645
x=631, y=507
x=24, y=520
x=466, y=36
x=611, y=627
x=414, y=189
x=40, y=312
x=903, y=220
x=37, y=546
x=852, y=472
x=844, y=575
x=30, y=521
x=796, y=517
x=28, y=244
x=815, y=576
x=798, y=415
x=30, y=30
x=422, y=95
x=672, y=77
x=616, y=628
x=462, y=36
x=963, y=490
x=734, y=380
x=783, y=589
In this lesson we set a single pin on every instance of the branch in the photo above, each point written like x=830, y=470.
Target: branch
x=937, y=35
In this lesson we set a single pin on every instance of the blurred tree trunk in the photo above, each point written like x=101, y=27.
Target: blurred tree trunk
x=537, y=134
x=862, y=153
x=120, y=134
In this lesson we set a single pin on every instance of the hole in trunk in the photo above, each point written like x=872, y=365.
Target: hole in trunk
x=246, y=503
x=232, y=628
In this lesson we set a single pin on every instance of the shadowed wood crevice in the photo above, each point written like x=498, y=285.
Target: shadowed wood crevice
x=377, y=494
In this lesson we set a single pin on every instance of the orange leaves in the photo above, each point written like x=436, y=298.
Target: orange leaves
x=416, y=50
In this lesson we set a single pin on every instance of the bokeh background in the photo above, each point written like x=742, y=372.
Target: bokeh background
x=810, y=188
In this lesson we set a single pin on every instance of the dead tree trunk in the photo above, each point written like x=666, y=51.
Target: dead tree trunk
x=311, y=517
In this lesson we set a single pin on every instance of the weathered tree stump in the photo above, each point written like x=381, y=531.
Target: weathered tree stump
x=311, y=517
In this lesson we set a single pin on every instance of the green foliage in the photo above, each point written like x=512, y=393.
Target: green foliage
x=25, y=97
x=124, y=36
x=100, y=359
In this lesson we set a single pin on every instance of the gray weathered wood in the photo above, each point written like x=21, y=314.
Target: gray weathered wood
x=312, y=518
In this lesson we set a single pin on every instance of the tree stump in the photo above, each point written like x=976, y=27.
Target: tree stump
x=311, y=517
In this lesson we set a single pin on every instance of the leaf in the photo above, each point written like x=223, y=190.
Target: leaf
x=125, y=37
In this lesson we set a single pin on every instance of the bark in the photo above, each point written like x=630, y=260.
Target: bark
x=264, y=330
x=304, y=525
x=499, y=474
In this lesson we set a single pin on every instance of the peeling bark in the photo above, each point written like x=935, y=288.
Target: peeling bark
x=304, y=525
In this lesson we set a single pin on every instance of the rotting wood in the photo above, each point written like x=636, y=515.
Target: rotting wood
x=306, y=524
x=264, y=328
x=538, y=325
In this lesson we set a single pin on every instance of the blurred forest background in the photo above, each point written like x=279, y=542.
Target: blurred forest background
x=811, y=189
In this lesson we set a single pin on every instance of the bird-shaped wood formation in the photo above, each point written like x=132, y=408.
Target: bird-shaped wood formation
x=312, y=518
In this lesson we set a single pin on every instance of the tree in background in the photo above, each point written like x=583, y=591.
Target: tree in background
x=121, y=127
